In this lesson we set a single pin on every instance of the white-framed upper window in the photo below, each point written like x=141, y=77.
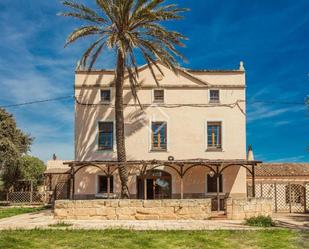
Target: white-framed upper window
x=106, y=95
x=158, y=96
x=214, y=96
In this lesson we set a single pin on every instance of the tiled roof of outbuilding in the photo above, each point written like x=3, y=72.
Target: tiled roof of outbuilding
x=57, y=171
x=282, y=169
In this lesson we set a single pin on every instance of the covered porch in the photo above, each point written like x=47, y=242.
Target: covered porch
x=160, y=179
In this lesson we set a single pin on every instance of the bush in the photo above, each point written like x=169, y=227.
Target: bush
x=60, y=224
x=260, y=221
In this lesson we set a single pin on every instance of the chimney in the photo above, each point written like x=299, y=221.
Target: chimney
x=250, y=156
x=241, y=66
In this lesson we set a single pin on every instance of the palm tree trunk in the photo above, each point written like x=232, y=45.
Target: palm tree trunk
x=120, y=136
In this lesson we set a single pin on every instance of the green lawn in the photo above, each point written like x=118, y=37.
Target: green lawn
x=12, y=211
x=158, y=239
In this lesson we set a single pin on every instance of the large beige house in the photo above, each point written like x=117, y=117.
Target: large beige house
x=189, y=133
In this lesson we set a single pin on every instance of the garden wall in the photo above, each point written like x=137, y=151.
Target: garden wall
x=239, y=209
x=195, y=209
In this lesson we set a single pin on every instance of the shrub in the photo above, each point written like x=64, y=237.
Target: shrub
x=260, y=221
x=60, y=224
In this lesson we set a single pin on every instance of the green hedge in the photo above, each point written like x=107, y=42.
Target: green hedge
x=260, y=221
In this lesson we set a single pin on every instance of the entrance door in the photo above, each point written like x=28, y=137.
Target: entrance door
x=150, y=189
x=159, y=185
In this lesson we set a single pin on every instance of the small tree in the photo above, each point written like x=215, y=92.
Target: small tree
x=13, y=142
x=32, y=170
x=13, y=145
x=27, y=169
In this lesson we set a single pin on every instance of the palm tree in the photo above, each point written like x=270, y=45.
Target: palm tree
x=127, y=27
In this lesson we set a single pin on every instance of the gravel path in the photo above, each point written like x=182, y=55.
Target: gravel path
x=44, y=219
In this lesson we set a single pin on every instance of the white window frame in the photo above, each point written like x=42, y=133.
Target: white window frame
x=111, y=96
x=222, y=135
x=153, y=97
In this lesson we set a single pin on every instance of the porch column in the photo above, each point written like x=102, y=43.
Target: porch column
x=181, y=187
x=72, y=183
x=108, y=182
x=253, y=180
x=73, y=187
x=108, y=186
x=181, y=181
x=145, y=188
x=218, y=188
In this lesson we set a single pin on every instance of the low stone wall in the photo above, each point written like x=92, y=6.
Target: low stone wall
x=133, y=209
x=239, y=209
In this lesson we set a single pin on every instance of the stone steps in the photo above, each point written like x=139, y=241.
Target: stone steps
x=218, y=216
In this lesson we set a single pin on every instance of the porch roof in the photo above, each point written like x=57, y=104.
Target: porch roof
x=216, y=162
x=180, y=166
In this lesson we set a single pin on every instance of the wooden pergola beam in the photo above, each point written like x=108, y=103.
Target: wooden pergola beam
x=180, y=166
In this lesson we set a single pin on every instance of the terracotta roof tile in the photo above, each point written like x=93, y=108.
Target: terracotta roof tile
x=282, y=169
x=57, y=171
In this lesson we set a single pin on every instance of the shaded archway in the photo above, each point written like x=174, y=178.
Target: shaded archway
x=155, y=184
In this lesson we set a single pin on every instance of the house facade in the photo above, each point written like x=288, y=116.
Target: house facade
x=191, y=115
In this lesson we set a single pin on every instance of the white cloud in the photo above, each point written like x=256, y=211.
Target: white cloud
x=289, y=159
x=258, y=111
x=282, y=122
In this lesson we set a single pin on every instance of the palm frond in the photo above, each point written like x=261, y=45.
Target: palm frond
x=83, y=17
x=88, y=52
x=129, y=26
x=85, y=11
x=133, y=85
x=105, y=6
x=82, y=32
x=95, y=56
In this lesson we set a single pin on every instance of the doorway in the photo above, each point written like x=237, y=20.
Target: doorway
x=158, y=185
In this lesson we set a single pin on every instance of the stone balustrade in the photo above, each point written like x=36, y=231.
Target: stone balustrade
x=239, y=209
x=195, y=209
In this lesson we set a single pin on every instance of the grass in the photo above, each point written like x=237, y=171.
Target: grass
x=6, y=212
x=274, y=238
x=260, y=221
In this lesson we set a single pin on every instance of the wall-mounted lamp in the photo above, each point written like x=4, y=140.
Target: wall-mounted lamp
x=211, y=174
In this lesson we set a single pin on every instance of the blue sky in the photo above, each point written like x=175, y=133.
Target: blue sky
x=271, y=37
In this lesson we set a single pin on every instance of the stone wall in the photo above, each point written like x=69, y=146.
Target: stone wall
x=133, y=209
x=239, y=209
